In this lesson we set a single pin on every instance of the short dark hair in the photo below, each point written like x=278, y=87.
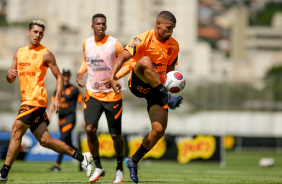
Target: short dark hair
x=36, y=22
x=167, y=16
x=66, y=71
x=98, y=15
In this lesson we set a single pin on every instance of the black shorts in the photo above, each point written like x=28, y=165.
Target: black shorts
x=143, y=90
x=33, y=116
x=113, y=111
x=66, y=130
x=67, y=121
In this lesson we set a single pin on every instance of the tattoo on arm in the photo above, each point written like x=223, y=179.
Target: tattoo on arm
x=70, y=148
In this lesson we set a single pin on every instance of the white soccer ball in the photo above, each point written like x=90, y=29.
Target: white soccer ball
x=174, y=82
x=266, y=162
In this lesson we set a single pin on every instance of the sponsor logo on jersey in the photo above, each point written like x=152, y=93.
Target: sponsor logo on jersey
x=98, y=85
x=103, y=68
x=134, y=42
x=27, y=73
x=24, y=64
x=97, y=60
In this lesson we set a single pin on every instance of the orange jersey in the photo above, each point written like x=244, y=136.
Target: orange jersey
x=31, y=72
x=161, y=54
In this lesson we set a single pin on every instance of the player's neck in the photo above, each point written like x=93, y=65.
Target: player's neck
x=99, y=38
x=158, y=36
x=66, y=84
x=32, y=46
x=102, y=41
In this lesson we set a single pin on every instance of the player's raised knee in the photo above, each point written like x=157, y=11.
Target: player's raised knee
x=145, y=61
x=159, y=132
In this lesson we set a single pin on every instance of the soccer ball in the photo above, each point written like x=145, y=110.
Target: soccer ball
x=174, y=82
x=266, y=162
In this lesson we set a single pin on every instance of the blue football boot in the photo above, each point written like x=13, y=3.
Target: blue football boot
x=132, y=169
x=174, y=102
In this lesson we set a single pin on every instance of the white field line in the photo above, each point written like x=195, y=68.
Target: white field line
x=151, y=180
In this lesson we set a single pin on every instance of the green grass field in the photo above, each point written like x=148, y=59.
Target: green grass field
x=240, y=168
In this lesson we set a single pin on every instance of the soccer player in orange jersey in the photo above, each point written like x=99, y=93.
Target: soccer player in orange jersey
x=100, y=54
x=30, y=64
x=154, y=54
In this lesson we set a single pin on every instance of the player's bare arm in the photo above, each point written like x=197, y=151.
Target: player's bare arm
x=118, y=48
x=125, y=69
x=82, y=70
x=50, y=61
x=123, y=57
x=123, y=72
x=80, y=80
x=12, y=72
x=80, y=73
x=51, y=109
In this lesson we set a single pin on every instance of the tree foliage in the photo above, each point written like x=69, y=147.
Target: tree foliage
x=273, y=82
x=264, y=17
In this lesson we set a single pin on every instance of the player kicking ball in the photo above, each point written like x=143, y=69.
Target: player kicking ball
x=153, y=54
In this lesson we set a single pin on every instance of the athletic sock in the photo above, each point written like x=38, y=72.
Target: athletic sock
x=160, y=89
x=161, y=93
x=60, y=158
x=4, y=171
x=78, y=156
x=119, y=163
x=97, y=162
x=139, y=154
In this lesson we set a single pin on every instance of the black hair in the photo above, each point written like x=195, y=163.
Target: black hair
x=66, y=71
x=98, y=15
x=167, y=16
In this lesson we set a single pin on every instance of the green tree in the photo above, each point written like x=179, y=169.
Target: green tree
x=273, y=82
x=264, y=16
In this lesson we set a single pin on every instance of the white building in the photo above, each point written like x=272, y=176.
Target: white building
x=68, y=25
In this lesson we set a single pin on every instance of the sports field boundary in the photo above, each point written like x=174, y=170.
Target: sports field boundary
x=152, y=180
